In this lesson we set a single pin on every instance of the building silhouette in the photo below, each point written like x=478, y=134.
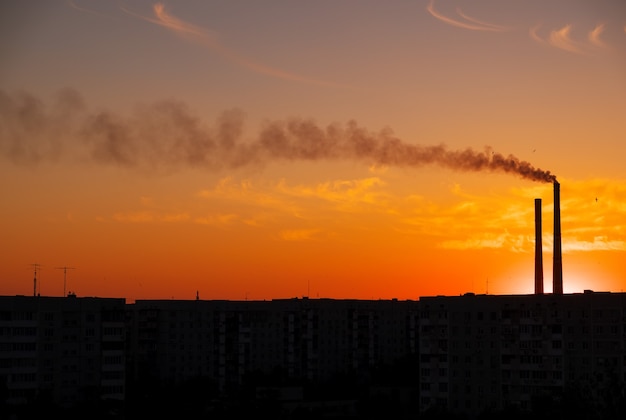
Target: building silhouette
x=481, y=353
x=61, y=352
x=469, y=354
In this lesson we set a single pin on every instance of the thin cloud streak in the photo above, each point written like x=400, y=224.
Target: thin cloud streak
x=561, y=39
x=259, y=198
x=150, y=217
x=73, y=5
x=480, y=22
x=533, y=34
x=357, y=191
x=204, y=37
x=475, y=25
x=180, y=27
x=299, y=235
x=594, y=36
x=218, y=220
x=494, y=241
x=598, y=243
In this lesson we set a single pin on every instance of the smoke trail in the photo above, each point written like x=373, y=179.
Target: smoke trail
x=167, y=136
x=29, y=132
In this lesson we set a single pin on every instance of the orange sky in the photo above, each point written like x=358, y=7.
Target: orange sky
x=355, y=149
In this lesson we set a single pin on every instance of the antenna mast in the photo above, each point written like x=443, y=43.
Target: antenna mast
x=64, y=275
x=36, y=267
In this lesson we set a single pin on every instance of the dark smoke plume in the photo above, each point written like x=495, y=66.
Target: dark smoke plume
x=166, y=136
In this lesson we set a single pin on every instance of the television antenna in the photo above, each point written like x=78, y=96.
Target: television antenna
x=65, y=275
x=36, y=268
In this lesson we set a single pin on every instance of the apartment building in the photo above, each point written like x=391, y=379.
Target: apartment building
x=65, y=350
x=483, y=353
x=467, y=354
x=298, y=339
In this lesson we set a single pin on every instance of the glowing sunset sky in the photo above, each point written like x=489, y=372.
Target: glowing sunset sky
x=341, y=149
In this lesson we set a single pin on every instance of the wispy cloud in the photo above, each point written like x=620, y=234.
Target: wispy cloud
x=475, y=222
x=588, y=207
x=510, y=222
x=178, y=26
x=209, y=39
x=346, y=194
x=272, y=205
x=73, y=5
x=598, y=243
x=472, y=221
x=216, y=219
x=467, y=22
x=535, y=36
x=297, y=235
x=280, y=198
x=594, y=36
x=150, y=217
x=489, y=240
x=252, y=200
x=495, y=27
x=562, y=39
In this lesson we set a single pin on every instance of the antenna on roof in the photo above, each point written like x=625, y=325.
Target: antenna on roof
x=64, y=275
x=36, y=266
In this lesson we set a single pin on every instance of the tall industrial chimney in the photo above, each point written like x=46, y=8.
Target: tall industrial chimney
x=557, y=267
x=538, y=249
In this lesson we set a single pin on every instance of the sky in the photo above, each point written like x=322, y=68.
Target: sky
x=351, y=149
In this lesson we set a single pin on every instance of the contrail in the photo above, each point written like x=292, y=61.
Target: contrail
x=166, y=136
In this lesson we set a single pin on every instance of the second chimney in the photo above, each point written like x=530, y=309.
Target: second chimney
x=538, y=249
x=557, y=268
